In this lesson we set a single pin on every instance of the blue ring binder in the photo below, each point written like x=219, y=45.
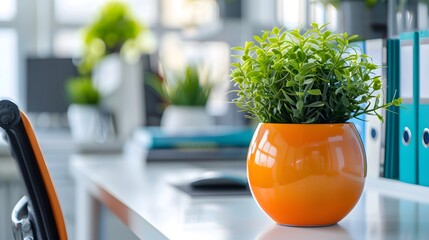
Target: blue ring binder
x=425, y=138
x=406, y=136
x=373, y=133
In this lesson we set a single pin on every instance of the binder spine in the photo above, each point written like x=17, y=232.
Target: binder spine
x=408, y=115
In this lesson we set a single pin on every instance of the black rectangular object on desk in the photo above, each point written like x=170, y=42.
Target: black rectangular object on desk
x=45, y=80
x=186, y=188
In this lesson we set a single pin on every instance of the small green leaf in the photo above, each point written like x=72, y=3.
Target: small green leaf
x=379, y=116
x=299, y=78
x=265, y=36
x=248, y=44
x=258, y=38
x=276, y=51
x=245, y=57
x=276, y=30
x=315, y=92
x=315, y=104
x=397, y=102
x=308, y=66
x=236, y=64
x=326, y=34
x=291, y=83
x=377, y=101
x=288, y=98
x=311, y=120
x=308, y=81
x=296, y=34
x=300, y=105
x=273, y=40
x=238, y=48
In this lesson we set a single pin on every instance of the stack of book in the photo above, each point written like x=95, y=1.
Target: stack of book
x=215, y=143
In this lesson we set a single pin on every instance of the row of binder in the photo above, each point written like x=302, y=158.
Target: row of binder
x=414, y=118
x=402, y=141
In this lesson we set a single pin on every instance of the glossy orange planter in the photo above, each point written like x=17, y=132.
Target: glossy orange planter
x=306, y=174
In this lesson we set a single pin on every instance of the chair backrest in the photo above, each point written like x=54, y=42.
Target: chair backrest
x=45, y=212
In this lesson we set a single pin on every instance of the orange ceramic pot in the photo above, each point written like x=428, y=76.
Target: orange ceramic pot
x=306, y=174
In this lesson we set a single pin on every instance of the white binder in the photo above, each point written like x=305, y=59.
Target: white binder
x=373, y=131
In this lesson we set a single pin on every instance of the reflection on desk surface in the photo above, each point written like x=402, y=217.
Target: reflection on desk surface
x=150, y=200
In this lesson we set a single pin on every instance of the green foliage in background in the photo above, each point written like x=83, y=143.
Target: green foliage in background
x=336, y=3
x=314, y=77
x=184, y=89
x=114, y=26
x=80, y=90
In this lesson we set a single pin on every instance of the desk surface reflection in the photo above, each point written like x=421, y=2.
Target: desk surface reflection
x=144, y=199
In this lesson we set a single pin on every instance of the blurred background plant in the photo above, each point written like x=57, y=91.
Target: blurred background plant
x=80, y=90
x=336, y=3
x=115, y=30
x=188, y=88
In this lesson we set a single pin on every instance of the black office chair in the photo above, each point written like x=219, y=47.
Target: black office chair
x=39, y=215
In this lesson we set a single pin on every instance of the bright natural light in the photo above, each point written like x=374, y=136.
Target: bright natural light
x=76, y=10
x=291, y=13
x=9, y=63
x=80, y=11
x=317, y=12
x=7, y=9
x=67, y=43
x=183, y=13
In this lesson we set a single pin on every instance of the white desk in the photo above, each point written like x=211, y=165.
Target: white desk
x=153, y=209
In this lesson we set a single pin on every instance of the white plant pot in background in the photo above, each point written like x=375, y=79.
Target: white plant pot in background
x=182, y=118
x=83, y=122
x=121, y=87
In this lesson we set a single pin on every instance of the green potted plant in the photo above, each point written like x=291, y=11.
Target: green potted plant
x=115, y=30
x=306, y=165
x=185, y=94
x=113, y=44
x=83, y=112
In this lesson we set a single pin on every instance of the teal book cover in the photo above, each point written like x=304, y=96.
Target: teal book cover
x=157, y=137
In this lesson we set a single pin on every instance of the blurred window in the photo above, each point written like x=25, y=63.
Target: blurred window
x=9, y=62
x=185, y=13
x=83, y=11
x=67, y=42
x=295, y=14
x=7, y=9
x=72, y=15
x=321, y=13
x=291, y=13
